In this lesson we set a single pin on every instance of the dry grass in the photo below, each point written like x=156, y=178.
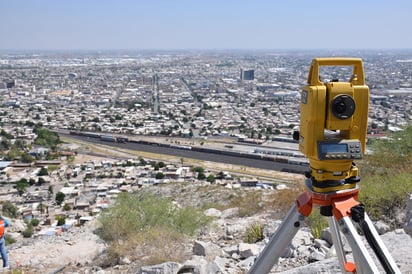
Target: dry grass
x=152, y=247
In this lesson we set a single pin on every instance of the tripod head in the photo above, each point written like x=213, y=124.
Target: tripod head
x=333, y=124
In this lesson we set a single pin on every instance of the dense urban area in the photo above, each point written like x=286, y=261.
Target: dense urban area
x=238, y=101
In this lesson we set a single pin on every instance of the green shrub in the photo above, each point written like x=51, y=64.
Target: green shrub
x=148, y=220
x=35, y=222
x=254, y=234
x=43, y=172
x=28, y=232
x=46, y=138
x=60, y=197
x=9, y=240
x=9, y=209
x=140, y=213
x=159, y=175
x=66, y=207
x=61, y=220
x=188, y=220
x=211, y=178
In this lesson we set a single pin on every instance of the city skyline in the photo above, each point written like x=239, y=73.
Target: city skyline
x=163, y=25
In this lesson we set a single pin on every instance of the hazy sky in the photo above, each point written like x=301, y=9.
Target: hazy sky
x=205, y=24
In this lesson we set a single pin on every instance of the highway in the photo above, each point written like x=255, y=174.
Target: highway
x=204, y=156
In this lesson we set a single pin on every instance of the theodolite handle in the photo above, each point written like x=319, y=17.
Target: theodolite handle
x=358, y=72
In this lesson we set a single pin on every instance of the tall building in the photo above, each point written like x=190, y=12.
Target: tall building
x=247, y=75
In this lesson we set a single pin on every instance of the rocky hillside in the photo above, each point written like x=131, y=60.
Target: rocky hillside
x=220, y=248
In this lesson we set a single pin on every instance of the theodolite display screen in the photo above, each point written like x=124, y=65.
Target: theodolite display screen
x=327, y=148
x=340, y=150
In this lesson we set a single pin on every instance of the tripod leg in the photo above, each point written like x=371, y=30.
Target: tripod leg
x=278, y=242
x=337, y=242
x=364, y=262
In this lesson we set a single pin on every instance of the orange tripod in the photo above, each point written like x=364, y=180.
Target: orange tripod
x=343, y=212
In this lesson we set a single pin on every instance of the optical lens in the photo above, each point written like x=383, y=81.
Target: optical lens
x=343, y=106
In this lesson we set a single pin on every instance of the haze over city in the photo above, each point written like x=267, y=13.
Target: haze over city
x=263, y=24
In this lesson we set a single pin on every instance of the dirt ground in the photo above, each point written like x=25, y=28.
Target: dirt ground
x=46, y=254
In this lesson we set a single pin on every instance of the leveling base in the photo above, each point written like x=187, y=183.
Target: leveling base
x=343, y=212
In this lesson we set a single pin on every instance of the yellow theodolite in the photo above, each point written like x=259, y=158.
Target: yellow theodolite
x=333, y=125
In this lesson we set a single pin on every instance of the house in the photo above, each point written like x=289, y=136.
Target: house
x=69, y=191
x=4, y=164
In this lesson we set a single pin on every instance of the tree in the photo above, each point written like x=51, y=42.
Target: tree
x=60, y=197
x=43, y=172
x=66, y=207
x=21, y=186
x=159, y=175
x=220, y=175
x=46, y=138
x=32, y=181
x=50, y=190
x=201, y=176
x=5, y=134
x=211, y=178
x=41, y=207
x=29, y=123
x=142, y=161
x=198, y=169
x=26, y=158
x=41, y=181
x=12, y=154
x=5, y=144
x=61, y=220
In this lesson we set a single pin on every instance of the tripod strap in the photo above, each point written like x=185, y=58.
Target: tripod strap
x=358, y=215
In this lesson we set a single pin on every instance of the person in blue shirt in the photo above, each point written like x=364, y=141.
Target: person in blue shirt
x=3, y=224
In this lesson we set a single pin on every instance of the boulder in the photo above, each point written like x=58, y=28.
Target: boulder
x=199, y=265
x=317, y=255
x=213, y=212
x=206, y=249
x=164, y=268
x=230, y=213
x=230, y=250
x=248, y=250
x=381, y=227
